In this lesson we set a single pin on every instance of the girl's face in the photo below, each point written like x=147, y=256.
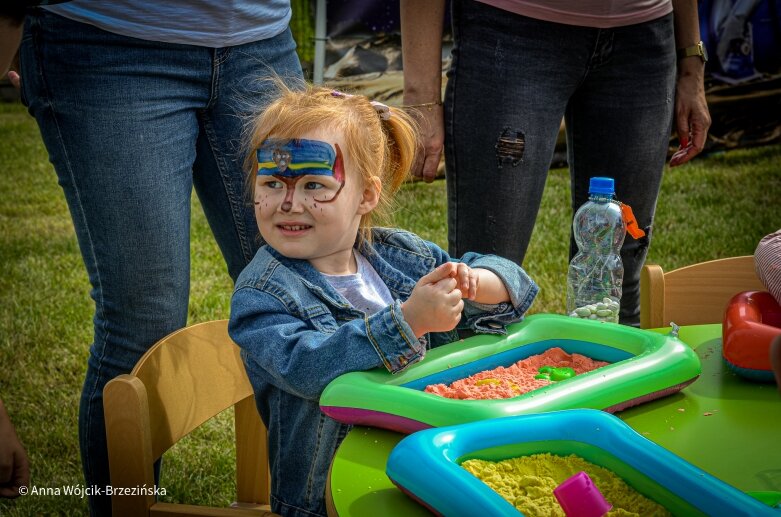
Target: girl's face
x=309, y=200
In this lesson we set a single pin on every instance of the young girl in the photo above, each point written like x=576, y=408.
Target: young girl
x=330, y=293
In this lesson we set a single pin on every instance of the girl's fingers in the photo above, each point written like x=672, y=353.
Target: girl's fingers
x=473, y=285
x=463, y=277
x=443, y=271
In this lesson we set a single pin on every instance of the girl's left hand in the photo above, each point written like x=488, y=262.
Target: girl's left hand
x=467, y=280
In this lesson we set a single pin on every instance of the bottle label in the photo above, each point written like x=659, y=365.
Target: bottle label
x=632, y=228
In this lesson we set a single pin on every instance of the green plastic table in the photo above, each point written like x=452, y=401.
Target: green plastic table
x=723, y=424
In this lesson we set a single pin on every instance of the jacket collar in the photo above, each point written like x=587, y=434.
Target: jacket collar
x=397, y=281
x=311, y=278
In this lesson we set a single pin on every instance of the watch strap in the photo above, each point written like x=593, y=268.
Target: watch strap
x=694, y=50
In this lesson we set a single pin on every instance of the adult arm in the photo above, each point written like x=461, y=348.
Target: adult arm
x=14, y=466
x=692, y=119
x=10, y=36
x=421, y=47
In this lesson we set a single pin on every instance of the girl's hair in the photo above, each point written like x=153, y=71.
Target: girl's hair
x=376, y=147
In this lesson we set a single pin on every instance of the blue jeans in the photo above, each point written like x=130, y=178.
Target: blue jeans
x=512, y=75
x=131, y=126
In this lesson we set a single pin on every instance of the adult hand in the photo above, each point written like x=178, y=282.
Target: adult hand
x=430, y=118
x=421, y=48
x=692, y=118
x=435, y=304
x=14, y=466
x=15, y=79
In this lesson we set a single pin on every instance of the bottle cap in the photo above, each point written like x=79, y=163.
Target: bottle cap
x=601, y=185
x=579, y=497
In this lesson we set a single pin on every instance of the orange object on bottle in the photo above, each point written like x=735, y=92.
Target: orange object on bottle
x=632, y=228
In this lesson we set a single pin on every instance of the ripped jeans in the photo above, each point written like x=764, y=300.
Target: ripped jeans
x=513, y=78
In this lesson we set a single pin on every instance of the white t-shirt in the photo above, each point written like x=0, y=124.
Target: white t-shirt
x=365, y=290
x=205, y=23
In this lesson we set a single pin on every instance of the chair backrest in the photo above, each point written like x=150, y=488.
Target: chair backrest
x=185, y=379
x=695, y=294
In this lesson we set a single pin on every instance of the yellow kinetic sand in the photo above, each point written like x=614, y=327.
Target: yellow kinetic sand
x=528, y=482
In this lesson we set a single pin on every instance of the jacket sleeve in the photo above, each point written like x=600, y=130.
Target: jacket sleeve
x=492, y=319
x=295, y=355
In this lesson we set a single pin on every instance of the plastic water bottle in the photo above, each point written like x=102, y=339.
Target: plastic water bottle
x=596, y=272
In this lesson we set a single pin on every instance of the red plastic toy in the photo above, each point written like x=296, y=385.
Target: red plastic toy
x=751, y=321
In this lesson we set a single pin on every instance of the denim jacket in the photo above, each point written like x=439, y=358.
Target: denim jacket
x=297, y=334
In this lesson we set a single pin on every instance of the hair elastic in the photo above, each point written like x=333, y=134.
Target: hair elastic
x=383, y=110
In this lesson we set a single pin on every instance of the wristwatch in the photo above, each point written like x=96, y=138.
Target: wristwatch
x=695, y=50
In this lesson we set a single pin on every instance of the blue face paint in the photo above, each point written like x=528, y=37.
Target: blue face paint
x=309, y=166
x=299, y=157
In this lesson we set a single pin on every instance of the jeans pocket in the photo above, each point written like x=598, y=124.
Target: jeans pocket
x=22, y=94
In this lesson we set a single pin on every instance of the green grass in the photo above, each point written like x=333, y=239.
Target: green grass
x=716, y=207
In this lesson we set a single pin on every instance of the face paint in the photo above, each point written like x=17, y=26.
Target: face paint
x=308, y=167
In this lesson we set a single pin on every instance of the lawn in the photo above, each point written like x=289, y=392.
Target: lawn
x=718, y=206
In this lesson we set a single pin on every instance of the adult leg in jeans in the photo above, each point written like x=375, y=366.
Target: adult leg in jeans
x=618, y=125
x=241, y=86
x=124, y=123
x=501, y=84
x=511, y=76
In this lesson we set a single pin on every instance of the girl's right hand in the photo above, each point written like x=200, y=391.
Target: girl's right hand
x=435, y=304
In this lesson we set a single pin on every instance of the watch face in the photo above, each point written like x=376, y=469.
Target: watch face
x=703, y=51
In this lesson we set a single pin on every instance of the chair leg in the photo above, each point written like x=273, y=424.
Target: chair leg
x=253, y=478
x=652, y=297
x=129, y=443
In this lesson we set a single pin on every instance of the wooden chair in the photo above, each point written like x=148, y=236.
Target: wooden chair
x=183, y=380
x=694, y=294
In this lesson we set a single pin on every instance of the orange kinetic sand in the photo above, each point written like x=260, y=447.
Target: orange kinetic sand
x=517, y=379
